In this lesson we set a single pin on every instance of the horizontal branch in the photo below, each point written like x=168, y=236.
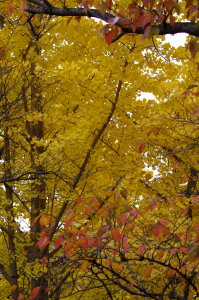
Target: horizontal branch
x=179, y=27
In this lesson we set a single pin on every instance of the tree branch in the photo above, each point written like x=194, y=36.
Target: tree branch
x=180, y=27
x=3, y=272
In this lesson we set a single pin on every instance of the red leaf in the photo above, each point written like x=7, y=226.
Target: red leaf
x=68, y=222
x=134, y=213
x=195, y=199
x=171, y=201
x=148, y=271
x=149, y=133
x=123, y=218
x=183, y=250
x=156, y=232
x=156, y=131
x=196, y=112
x=43, y=242
x=35, y=292
x=138, y=143
x=154, y=204
x=141, y=148
x=115, y=234
x=122, y=12
x=118, y=197
x=175, y=165
x=193, y=48
x=187, y=45
x=68, y=212
x=146, y=33
x=195, y=93
x=21, y=297
x=88, y=210
x=68, y=21
x=78, y=19
x=79, y=200
x=174, y=251
x=58, y=242
x=124, y=241
x=111, y=35
x=141, y=249
x=126, y=248
x=107, y=263
x=172, y=21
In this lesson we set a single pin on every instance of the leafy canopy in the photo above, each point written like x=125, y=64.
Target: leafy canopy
x=104, y=181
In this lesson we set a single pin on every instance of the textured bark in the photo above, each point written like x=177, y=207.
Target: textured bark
x=180, y=27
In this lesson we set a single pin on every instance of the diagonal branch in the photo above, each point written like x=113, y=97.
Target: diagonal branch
x=3, y=272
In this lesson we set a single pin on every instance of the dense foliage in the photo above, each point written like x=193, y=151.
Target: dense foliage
x=99, y=192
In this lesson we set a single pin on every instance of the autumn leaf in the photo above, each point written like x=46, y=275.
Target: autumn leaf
x=195, y=199
x=58, y=242
x=196, y=112
x=43, y=242
x=174, y=251
x=84, y=265
x=35, y=292
x=141, y=250
x=148, y=271
x=175, y=165
x=13, y=288
x=79, y=200
x=141, y=148
x=115, y=234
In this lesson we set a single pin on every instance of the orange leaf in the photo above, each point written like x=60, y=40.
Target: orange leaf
x=84, y=265
x=107, y=263
x=26, y=159
x=21, y=297
x=44, y=261
x=132, y=281
x=35, y=292
x=79, y=200
x=35, y=220
x=24, y=253
x=148, y=271
x=115, y=234
x=122, y=12
x=23, y=6
x=140, y=213
x=148, y=176
x=47, y=220
x=141, y=148
x=13, y=288
x=161, y=253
